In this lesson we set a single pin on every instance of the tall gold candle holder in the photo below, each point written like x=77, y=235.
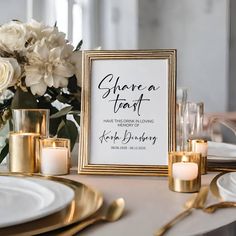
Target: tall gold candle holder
x=200, y=146
x=184, y=171
x=31, y=121
x=54, y=156
x=23, y=152
x=28, y=126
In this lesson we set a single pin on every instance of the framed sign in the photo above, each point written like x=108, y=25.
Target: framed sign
x=128, y=112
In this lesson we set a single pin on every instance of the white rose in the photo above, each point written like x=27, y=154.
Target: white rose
x=13, y=35
x=6, y=95
x=9, y=72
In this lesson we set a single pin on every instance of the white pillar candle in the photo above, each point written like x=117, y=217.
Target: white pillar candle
x=185, y=170
x=54, y=160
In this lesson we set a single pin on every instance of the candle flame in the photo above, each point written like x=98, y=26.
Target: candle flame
x=184, y=158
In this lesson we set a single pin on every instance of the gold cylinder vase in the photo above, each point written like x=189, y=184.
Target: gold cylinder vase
x=31, y=121
x=23, y=152
x=184, y=171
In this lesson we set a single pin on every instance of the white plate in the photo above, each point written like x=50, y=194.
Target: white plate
x=227, y=187
x=26, y=199
x=221, y=152
x=233, y=177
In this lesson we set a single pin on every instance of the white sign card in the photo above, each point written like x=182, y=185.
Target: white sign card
x=128, y=112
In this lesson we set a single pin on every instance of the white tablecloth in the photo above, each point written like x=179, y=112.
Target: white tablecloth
x=150, y=204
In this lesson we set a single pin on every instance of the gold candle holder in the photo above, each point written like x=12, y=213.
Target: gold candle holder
x=23, y=152
x=184, y=171
x=31, y=121
x=200, y=146
x=54, y=156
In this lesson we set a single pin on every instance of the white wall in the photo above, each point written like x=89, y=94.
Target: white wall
x=24, y=10
x=119, y=24
x=199, y=32
x=232, y=73
x=198, y=29
x=13, y=9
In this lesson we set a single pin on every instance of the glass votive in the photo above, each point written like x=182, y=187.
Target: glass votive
x=190, y=124
x=23, y=152
x=181, y=101
x=54, y=156
x=184, y=171
x=31, y=121
x=200, y=146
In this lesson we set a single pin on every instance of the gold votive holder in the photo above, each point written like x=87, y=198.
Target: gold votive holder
x=31, y=121
x=200, y=146
x=54, y=156
x=23, y=152
x=184, y=172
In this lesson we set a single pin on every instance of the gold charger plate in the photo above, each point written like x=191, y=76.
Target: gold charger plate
x=213, y=186
x=87, y=201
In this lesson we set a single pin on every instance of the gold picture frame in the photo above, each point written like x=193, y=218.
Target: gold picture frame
x=127, y=92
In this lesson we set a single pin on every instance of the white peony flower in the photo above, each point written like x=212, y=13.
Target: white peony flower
x=48, y=68
x=9, y=72
x=39, y=31
x=34, y=27
x=13, y=36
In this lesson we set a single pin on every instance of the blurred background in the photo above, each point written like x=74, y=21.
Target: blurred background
x=202, y=31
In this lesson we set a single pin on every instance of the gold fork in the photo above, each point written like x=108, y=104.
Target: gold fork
x=197, y=202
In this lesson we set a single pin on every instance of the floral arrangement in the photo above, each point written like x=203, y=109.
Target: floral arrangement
x=39, y=69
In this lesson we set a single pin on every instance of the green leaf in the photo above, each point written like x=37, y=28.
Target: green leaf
x=78, y=47
x=61, y=125
x=74, y=112
x=62, y=99
x=23, y=100
x=72, y=84
x=64, y=111
x=70, y=131
x=54, y=123
x=4, y=152
x=77, y=119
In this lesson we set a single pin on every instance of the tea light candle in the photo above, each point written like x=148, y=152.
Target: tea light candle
x=54, y=160
x=185, y=170
x=54, y=156
x=200, y=146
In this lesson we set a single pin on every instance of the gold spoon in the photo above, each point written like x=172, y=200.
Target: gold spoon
x=114, y=212
x=197, y=202
x=212, y=208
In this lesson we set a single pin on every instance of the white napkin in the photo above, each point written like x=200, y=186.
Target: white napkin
x=221, y=149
